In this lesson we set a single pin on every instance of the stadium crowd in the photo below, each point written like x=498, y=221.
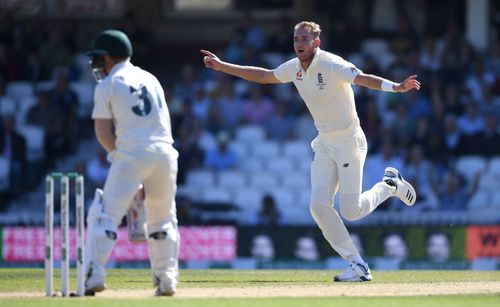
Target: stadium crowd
x=427, y=133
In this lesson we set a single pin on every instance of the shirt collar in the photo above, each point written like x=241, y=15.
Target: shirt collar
x=119, y=66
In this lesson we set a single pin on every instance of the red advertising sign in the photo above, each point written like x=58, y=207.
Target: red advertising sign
x=24, y=244
x=483, y=241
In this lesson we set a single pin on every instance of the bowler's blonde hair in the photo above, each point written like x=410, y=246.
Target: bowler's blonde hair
x=310, y=26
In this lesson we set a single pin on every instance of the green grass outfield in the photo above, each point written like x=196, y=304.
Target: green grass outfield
x=29, y=284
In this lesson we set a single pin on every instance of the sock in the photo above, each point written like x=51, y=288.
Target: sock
x=357, y=259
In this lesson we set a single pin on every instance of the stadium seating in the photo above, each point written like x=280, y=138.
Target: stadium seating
x=216, y=195
x=240, y=149
x=296, y=180
x=201, y=178
x=34, y=142
x=479, y=200
x=19, y=90
x=494, y=166
x=266, y=150
x=469, y=166
x=85, y=93
x=248, y=200
x=232, y=179
x=264, y=181
x=280, y=165
x=250, y=134
x=297, y=150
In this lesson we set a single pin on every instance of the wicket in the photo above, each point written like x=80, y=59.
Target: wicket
x=49, y=232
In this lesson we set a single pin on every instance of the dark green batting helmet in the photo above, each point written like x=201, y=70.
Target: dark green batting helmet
x=112, y=42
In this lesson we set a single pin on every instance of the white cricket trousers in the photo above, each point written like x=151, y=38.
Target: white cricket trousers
x=337, y=166
x=157, y=172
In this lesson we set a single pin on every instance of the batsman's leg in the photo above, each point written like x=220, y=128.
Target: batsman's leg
x=163, y=244
x=162, y=232
x=100, y=240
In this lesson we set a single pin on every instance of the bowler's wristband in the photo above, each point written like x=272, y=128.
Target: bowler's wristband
x=387, y=86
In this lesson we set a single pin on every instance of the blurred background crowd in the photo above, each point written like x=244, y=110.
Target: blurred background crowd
x=245, y=148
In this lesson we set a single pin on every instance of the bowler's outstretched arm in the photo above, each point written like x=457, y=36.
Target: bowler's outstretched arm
x=250, y=73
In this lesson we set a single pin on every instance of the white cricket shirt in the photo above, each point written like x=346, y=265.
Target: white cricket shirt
x=325, y=88
x=134, y=99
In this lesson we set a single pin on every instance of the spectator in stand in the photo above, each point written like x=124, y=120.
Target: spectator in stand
x=430, y=58
x=452, y=135
x=490, y=104
x=258, y=108
x=471, y=126
x=419, y=167
x=478, y=79
x=55, y=52
x=183, y=119
x=418, y=105
x=378, y=162
x=305, y=129
x=280, y=40
x=341, y=37
x=370, y=120
x=215, y=122
x=489, y=140
x=67, y=101
x=221, y=157
x=384, y=16
x=455, y=196
x=402, y=126
x=493, y=60
x=5, y=64
x=280, y=124
x=185, y=88
x=7, y=104
x=268, y=214
x=252, y=35
x=201, y=103
x=235, y=48
x=34, y=70
x=452, y=102
x=46, y=115
x=437, y=118
x=190, y=155
x=230, y=107
x=403, y=38
x=97, y=170
x=472, y=122
x=13, y=148
x=186, y=214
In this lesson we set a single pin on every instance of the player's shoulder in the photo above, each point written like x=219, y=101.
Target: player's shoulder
x=145, y=75
x=330, y=57
x=104, y=85
x=290, y=64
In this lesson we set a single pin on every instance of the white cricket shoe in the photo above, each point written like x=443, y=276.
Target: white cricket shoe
x=94, y=283
x=404, y=191
x=355, y=272
x=166, y=287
